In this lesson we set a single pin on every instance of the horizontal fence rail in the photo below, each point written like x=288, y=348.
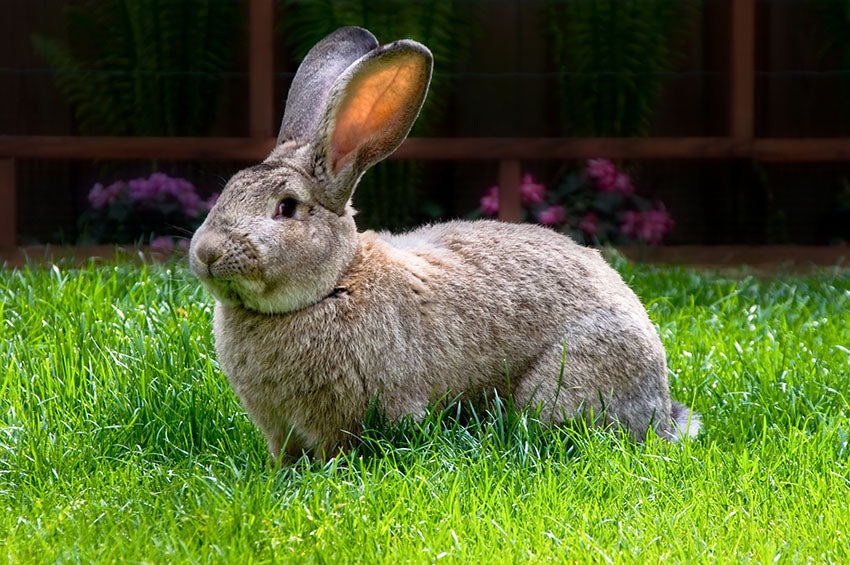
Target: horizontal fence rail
x=437, y=148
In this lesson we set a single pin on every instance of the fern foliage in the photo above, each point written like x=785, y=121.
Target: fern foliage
x=143, y=67
x=835, y=18
x=835, y=15
x=611, y=56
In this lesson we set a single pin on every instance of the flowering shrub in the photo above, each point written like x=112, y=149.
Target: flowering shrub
x=144, y=209
x=596, y=206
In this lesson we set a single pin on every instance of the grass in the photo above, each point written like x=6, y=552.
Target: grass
x=121, y=441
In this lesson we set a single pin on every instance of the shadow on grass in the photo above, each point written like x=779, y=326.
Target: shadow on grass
x=463, y=432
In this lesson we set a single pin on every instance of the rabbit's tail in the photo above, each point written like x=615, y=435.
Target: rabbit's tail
x=686, y=422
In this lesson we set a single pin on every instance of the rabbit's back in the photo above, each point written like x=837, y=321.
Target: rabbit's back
x=523, y=278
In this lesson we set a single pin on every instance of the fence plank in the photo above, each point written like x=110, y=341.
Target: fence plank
x=261, y=67
x=495, y=149
x=8, y=205
x=176, y=148
x=571, y=148
x=510, y=199
x=742, y=69
x=801, y=150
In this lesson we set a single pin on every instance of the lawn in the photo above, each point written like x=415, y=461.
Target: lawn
x=120, y=440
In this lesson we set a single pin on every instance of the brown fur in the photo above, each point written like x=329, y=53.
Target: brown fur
x=315, y=321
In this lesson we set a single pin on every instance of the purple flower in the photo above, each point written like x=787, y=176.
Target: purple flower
x=100, y=196
x=191, y=203
x=182, y=186
x=160, y=179
x=160, y=188
x=490, y=201
x=207, y=205
x=143, y=190
x=162, y=244
x=97, y=196
x=170, y=186
x=552, y=215
x=532, y=192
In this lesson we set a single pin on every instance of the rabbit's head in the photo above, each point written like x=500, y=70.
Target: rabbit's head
x=282, y=232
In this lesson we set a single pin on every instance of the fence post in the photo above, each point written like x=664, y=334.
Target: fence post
x=510, y=203
x=8, y=205
x=261, y=68
x=742, y=70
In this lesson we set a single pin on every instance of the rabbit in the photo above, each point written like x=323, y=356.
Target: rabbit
x=315, y=321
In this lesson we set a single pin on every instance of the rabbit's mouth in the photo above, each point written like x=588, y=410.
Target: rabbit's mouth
x=235, y=292
x=223, y=291
x=248, y=295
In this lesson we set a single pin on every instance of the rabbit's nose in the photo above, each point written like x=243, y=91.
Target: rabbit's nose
x=208, y=251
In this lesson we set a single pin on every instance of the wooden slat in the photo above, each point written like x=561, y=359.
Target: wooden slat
x=742, y=69
x=254, y=150
x=782, y=258
x=571, y=148
x=801, y=150
x=510, y=199
x=177, y=148
x=261, y=67
x=8, y=205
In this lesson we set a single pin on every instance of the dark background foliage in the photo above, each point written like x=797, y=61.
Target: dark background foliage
x=504, y=68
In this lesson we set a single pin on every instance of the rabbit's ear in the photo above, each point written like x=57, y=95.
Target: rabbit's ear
x=369, y=112
x=316, y=74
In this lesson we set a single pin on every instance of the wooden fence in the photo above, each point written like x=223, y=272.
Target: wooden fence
x=506, y=152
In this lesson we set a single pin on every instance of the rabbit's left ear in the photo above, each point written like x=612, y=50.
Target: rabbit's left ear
x=369, y=112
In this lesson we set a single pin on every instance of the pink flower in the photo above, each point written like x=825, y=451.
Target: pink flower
x=100, y=196
x=532, y=192
x=603, y=172
x=600, y=168
x=623, y=184
x=588, y=224
x=162, y=244
x=630, y=224
x=552, y=215
x=490, y=201
x=607, y=178
x=654, y=225
x=650, y=226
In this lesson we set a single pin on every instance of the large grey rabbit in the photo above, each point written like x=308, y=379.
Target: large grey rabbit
x=314, y=321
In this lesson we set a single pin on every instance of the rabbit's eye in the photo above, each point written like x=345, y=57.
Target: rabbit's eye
x=286, y=208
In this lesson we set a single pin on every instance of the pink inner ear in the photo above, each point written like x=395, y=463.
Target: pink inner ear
x=375, y=106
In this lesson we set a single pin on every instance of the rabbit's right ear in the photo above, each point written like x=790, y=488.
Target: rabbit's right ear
x=369, y=111
x=316, y=74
